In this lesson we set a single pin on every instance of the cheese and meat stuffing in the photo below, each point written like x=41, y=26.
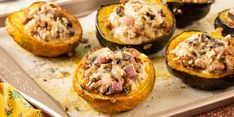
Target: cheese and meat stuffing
x=46, y=23
x=230, y=16
x=110, y=72
x=206, y=54
x=137, y=21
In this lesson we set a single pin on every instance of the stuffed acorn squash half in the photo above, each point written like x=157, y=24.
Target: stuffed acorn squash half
x=145, y=25
x=114, y=81
x=188, y=11
x=45, y=29
x=225, y=20
x=202, y=61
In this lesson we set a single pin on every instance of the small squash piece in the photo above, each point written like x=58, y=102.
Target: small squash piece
x=222, y=21
x=191, y=77
x=187, y=12
x=39, y=47
x=118, y=102
x=151, y=46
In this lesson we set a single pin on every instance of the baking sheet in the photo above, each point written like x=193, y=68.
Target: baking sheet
x=55, y=75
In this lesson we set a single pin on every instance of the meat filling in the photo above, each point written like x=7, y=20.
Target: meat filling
x=206, y=54
x=46, y=23
x=110, y=72
x=137, y=21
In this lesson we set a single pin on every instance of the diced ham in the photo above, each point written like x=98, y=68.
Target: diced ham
x=130, y=71
x=116, y=87
x=100, y=60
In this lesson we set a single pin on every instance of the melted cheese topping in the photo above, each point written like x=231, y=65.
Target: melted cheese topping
x=137, y=21
x=206, y=54
x=47, y=24
x=109, y=72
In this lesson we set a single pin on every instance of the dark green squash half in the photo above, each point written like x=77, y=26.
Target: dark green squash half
x=221, y=21
x=186, y=13
x=106, y=39
x=195, y=79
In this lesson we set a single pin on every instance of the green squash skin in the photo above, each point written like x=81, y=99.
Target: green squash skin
x=208, y=84
x=227, y=29
x=156, y=45
x=190, y=12
x=202, y=83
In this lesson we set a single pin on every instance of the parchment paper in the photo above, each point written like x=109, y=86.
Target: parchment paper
x=55, y=75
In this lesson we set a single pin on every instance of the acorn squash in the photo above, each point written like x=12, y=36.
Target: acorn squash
x=191, y=77
x=118, y=102
x=187, y=12
x=151, y=46
x=39, y=47
x=222, y=21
